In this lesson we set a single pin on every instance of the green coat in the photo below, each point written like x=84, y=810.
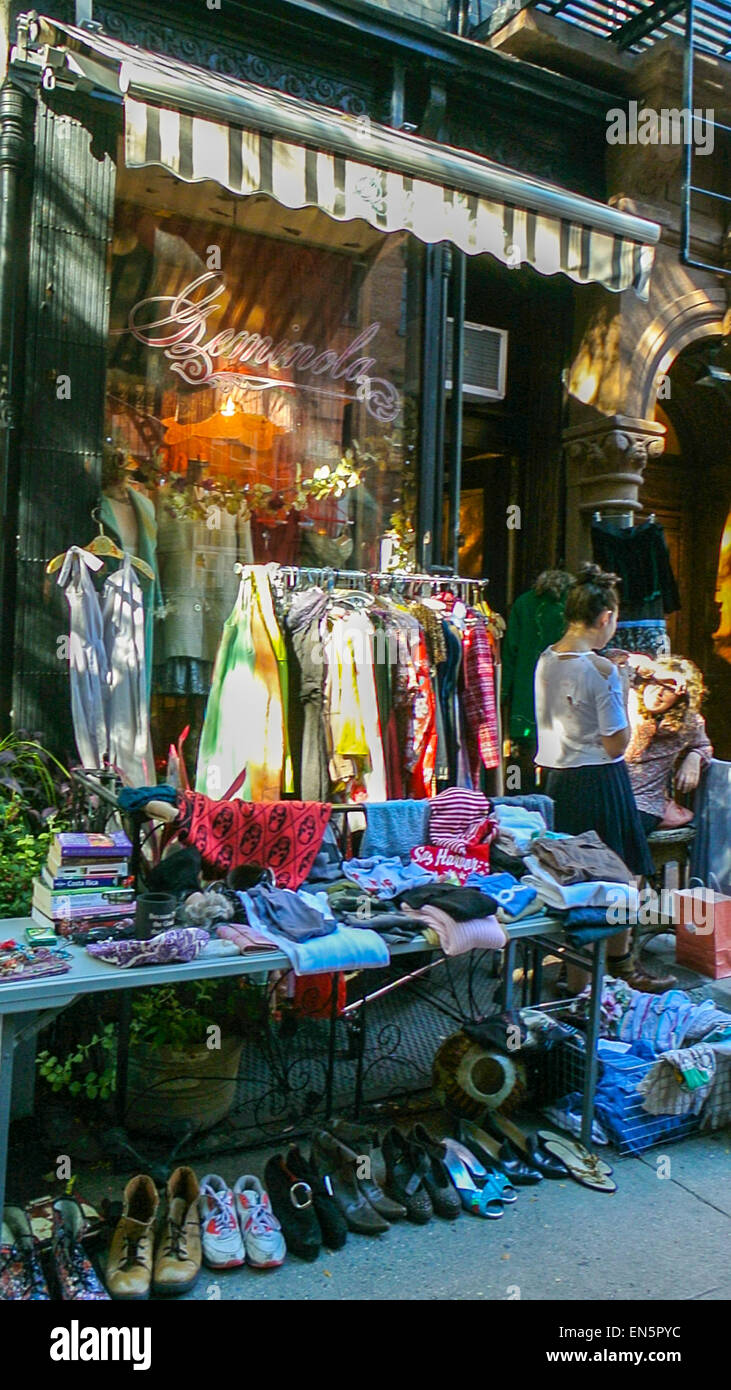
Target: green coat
x=535, y=622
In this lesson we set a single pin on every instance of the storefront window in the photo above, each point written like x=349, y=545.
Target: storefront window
x=262, y=369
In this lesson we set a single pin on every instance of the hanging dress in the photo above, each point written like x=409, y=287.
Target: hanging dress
x=243, y=730
x=87, y=656
x=128, y=713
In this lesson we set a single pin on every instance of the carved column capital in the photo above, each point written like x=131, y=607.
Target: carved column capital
x=605, y=465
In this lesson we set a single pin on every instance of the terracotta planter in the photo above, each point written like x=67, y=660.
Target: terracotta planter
x=169, y=1085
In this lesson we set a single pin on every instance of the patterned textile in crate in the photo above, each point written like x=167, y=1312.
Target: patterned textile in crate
x=284, y=836
x=619, y=1103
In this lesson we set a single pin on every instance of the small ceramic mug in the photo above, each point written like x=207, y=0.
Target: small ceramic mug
x=154, y=913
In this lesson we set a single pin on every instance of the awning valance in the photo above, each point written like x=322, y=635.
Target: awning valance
x=199, y=125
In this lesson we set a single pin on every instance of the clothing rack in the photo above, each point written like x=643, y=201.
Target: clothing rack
x=330, y=578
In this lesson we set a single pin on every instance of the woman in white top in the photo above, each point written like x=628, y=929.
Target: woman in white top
x=583, y=731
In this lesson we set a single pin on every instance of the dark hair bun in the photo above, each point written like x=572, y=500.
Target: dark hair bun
x=593, y=574
x=593, y=591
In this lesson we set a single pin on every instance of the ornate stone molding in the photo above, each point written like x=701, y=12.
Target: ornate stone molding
x=605, y=466
x=228, y=59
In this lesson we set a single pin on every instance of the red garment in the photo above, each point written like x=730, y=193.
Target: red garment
x=424, y=715
x=284, y=836
x=478, y=672
x=313, y=995
x=275, y=539
x=394, y=760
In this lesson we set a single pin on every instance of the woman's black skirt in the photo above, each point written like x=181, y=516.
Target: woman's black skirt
x=600, y=798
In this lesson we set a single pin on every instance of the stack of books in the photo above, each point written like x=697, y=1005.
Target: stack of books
x=85, y=878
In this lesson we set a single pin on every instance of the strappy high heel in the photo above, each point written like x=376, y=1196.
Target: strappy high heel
x=484, y=1175
x=479, y=1201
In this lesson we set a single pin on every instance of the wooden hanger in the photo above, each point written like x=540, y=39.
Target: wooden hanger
x=103, y=546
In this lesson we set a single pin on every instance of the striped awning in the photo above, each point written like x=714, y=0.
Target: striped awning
x=250, y=140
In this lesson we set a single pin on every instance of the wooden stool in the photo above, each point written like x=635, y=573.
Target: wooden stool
x=672, y=847
x=666, y=847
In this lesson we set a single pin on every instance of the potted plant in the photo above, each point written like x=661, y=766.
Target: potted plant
x=185, y=1051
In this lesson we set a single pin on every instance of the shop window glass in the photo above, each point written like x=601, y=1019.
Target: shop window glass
x=262, y=373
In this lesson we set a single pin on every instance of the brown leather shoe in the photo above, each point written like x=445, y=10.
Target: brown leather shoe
x=178, y=1255
x=636, y=977
x=129, y=1266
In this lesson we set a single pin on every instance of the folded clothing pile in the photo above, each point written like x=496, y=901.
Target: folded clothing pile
x=514, y=899
x=579, y=871
x=517, y=829
x=579, y=859
x=572, y=895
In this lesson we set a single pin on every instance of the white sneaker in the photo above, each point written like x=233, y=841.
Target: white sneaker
x=262, y=1233
x=223, y=1247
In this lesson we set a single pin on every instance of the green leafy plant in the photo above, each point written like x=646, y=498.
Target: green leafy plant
x=89, y=1071
x=176, y=1016
x=35, y=790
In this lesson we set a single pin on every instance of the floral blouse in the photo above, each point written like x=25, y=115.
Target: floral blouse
x=654, y=752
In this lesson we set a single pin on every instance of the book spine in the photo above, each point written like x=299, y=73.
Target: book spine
x=81, y=885
x=91, y=897
x=117, y=868
x=63, y=913
x=86, y=849
x=86, y=854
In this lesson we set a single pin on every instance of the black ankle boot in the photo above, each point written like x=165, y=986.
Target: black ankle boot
x=333, y=1225
x=292, y=1202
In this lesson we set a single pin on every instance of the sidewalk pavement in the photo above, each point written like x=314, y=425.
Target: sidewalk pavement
x=665, y=1234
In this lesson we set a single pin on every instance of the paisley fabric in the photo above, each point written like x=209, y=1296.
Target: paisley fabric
x=285, y=836
x=180, y=944
x=78, y=1280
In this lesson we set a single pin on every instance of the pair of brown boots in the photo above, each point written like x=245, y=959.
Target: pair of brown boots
x=170, y=1265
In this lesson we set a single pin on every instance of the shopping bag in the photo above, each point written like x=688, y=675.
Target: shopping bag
x=702, y=918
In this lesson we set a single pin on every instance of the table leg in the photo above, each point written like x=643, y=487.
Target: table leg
x=120, y=1090
x=592, y=1039
x=537, y=984
x=360, y=1061
x=509, y=955
x=7, y=1046
x=331, y=1046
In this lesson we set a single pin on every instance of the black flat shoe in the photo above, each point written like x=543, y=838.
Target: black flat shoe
x=407, y=1165
x=444, y=1196
x=338, y=1164
x=493, y=1153
x=525, y=1146
x=293, y=1205
x=363, y=1141
x=333, y=1225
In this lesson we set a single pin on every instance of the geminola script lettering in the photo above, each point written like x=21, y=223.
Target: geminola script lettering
x=177, y=324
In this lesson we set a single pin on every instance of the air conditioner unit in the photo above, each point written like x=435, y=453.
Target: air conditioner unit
x=485, y=361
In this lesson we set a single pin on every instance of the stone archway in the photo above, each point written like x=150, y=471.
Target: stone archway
x=693, y=316
x=612, y=432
